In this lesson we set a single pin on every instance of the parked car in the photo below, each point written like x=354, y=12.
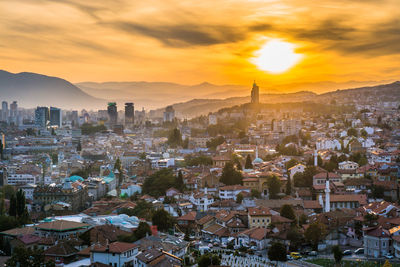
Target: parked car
x=289, y=258
x=295, y=255
x=389, y=256
x=359, y=251
x=347, y=252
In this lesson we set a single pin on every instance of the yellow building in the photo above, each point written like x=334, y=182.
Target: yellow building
x=259, y=217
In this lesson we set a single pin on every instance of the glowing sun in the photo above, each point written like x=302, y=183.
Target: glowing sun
x=276, y=56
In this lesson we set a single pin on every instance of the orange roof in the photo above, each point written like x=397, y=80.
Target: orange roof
x=116, y=247
x=260, y=211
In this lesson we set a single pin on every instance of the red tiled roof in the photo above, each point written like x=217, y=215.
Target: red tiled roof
x=116, y=247
x=190, y=216
x=260, y=211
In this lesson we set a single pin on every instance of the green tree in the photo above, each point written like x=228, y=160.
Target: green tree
x=337, y=254
x=364, y=133
x=214, y=142
x=314, y=234
x=230, y=176
x=12, y=211
x=22, y=256
x=352, y=132
x=387, y=264
x=143, y=209
x=175, y=138
x=277, y=252
x=295, y=238
x=179, y=181
x=305, y=179
x=290, y=164
x=7, y=222
x=289, y=186
x=142, y=230
x=157, y=183
x=239, y=198
x=274, y=187
x=163, y=220
x=79, y=146
x=2, y=206
x=288, y=212
x=208, y=260
x=20, y=202
x=255, y=193
x=248, y=164
x=8, y=191
x=1, y=150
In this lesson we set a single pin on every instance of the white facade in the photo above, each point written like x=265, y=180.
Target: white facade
x=212, y=119
x=19, y=179
x=328, y=144
x=115, y=259
x=348, y=165
x=295, y=169
x=231, y=193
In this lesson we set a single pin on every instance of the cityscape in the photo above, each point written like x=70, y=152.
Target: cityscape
x=116, y=151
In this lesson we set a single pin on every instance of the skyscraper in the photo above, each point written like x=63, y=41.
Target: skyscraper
x=14, y=113
x=55, y=117
x=42, y=116
x=112, y=114
x=4, y=111
x=255, y=94
x=129, y=115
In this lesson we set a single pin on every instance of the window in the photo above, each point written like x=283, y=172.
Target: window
x=254, y=220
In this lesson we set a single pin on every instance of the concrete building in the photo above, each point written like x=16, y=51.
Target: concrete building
x=255, y=94
x=169, y=114
x=117, y=254
x=129, y=115
x=376, y=242
x=259, y=217
x=55, y=117
x=4, y=111
x=112, y=114
x=42, y=117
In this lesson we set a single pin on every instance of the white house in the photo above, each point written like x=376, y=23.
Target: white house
x=231, y=191
x=130, y=189
x=21, y=178
x=295, y=169
x=348, y=165
x=328, y=144
x=201, y=200
x=117, y=254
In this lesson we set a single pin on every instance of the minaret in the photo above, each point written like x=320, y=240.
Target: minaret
x=327, y=194
x=257, y=152
x=315, y=157
x=255, y=93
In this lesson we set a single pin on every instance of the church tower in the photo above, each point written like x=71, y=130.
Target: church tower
x=255, y=94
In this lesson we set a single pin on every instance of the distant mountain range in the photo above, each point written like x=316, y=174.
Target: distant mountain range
x=31, y=90
x=159, y=94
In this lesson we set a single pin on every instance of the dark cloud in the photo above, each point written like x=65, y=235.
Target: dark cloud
x=326, y=30
x=184, y=34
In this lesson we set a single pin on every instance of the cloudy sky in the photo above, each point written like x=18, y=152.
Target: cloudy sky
x=191, y=42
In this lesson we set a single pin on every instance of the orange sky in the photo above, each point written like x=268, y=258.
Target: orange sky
x=193, y=41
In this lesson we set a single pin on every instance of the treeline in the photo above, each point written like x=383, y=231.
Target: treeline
x=89, y=129
x=157, y=183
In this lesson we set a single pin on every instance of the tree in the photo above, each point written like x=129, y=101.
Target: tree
x=364, y=133
x=2, y=206
x=230, y=176
x=290, y=164
x=274, y=187
x=214, y=142
x=7, y=222
x=288, y=212
x=142, y=230
x=289, y=186
x=377, y=191
x=370, y=219
x=239, y=198
x=22, y=256
x=277, y=252
x=305, y=179
x=337, y=254
x=315, y=233
x=20, y=202
x=175, y=138
x=8, y=191
x=387, y=264
x=209, y=259
x=12, y=211
x=163, y=220
x=295, y=238
x=255, y=193
x=248, y=164
x=352, y=132
x=179, y=181
x=157, y=183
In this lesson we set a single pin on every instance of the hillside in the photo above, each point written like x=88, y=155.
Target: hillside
x=31, y=90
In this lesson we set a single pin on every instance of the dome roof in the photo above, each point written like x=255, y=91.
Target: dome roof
x=75, y=178
x=257, y=161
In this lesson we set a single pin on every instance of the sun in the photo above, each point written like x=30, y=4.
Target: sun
x=276, y=56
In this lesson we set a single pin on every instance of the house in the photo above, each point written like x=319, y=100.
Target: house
x=188, y=220
x=348, y=165
x=61, y=253
x=202, y=200
x=171, y=192
x=154, y=257
x=130, y=189
x=116, y=254
x=60, y=229
x=231, y=191
x=320, y=178
x=259, y=217
x=220, y=161
x=376, y=242
x=253, y=237
x=295, y=169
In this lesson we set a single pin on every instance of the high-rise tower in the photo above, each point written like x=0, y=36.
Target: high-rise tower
x=255, y=93
x=129, y=115
x=112, y=114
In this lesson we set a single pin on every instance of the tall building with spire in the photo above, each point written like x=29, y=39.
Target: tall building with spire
x=255, y=94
